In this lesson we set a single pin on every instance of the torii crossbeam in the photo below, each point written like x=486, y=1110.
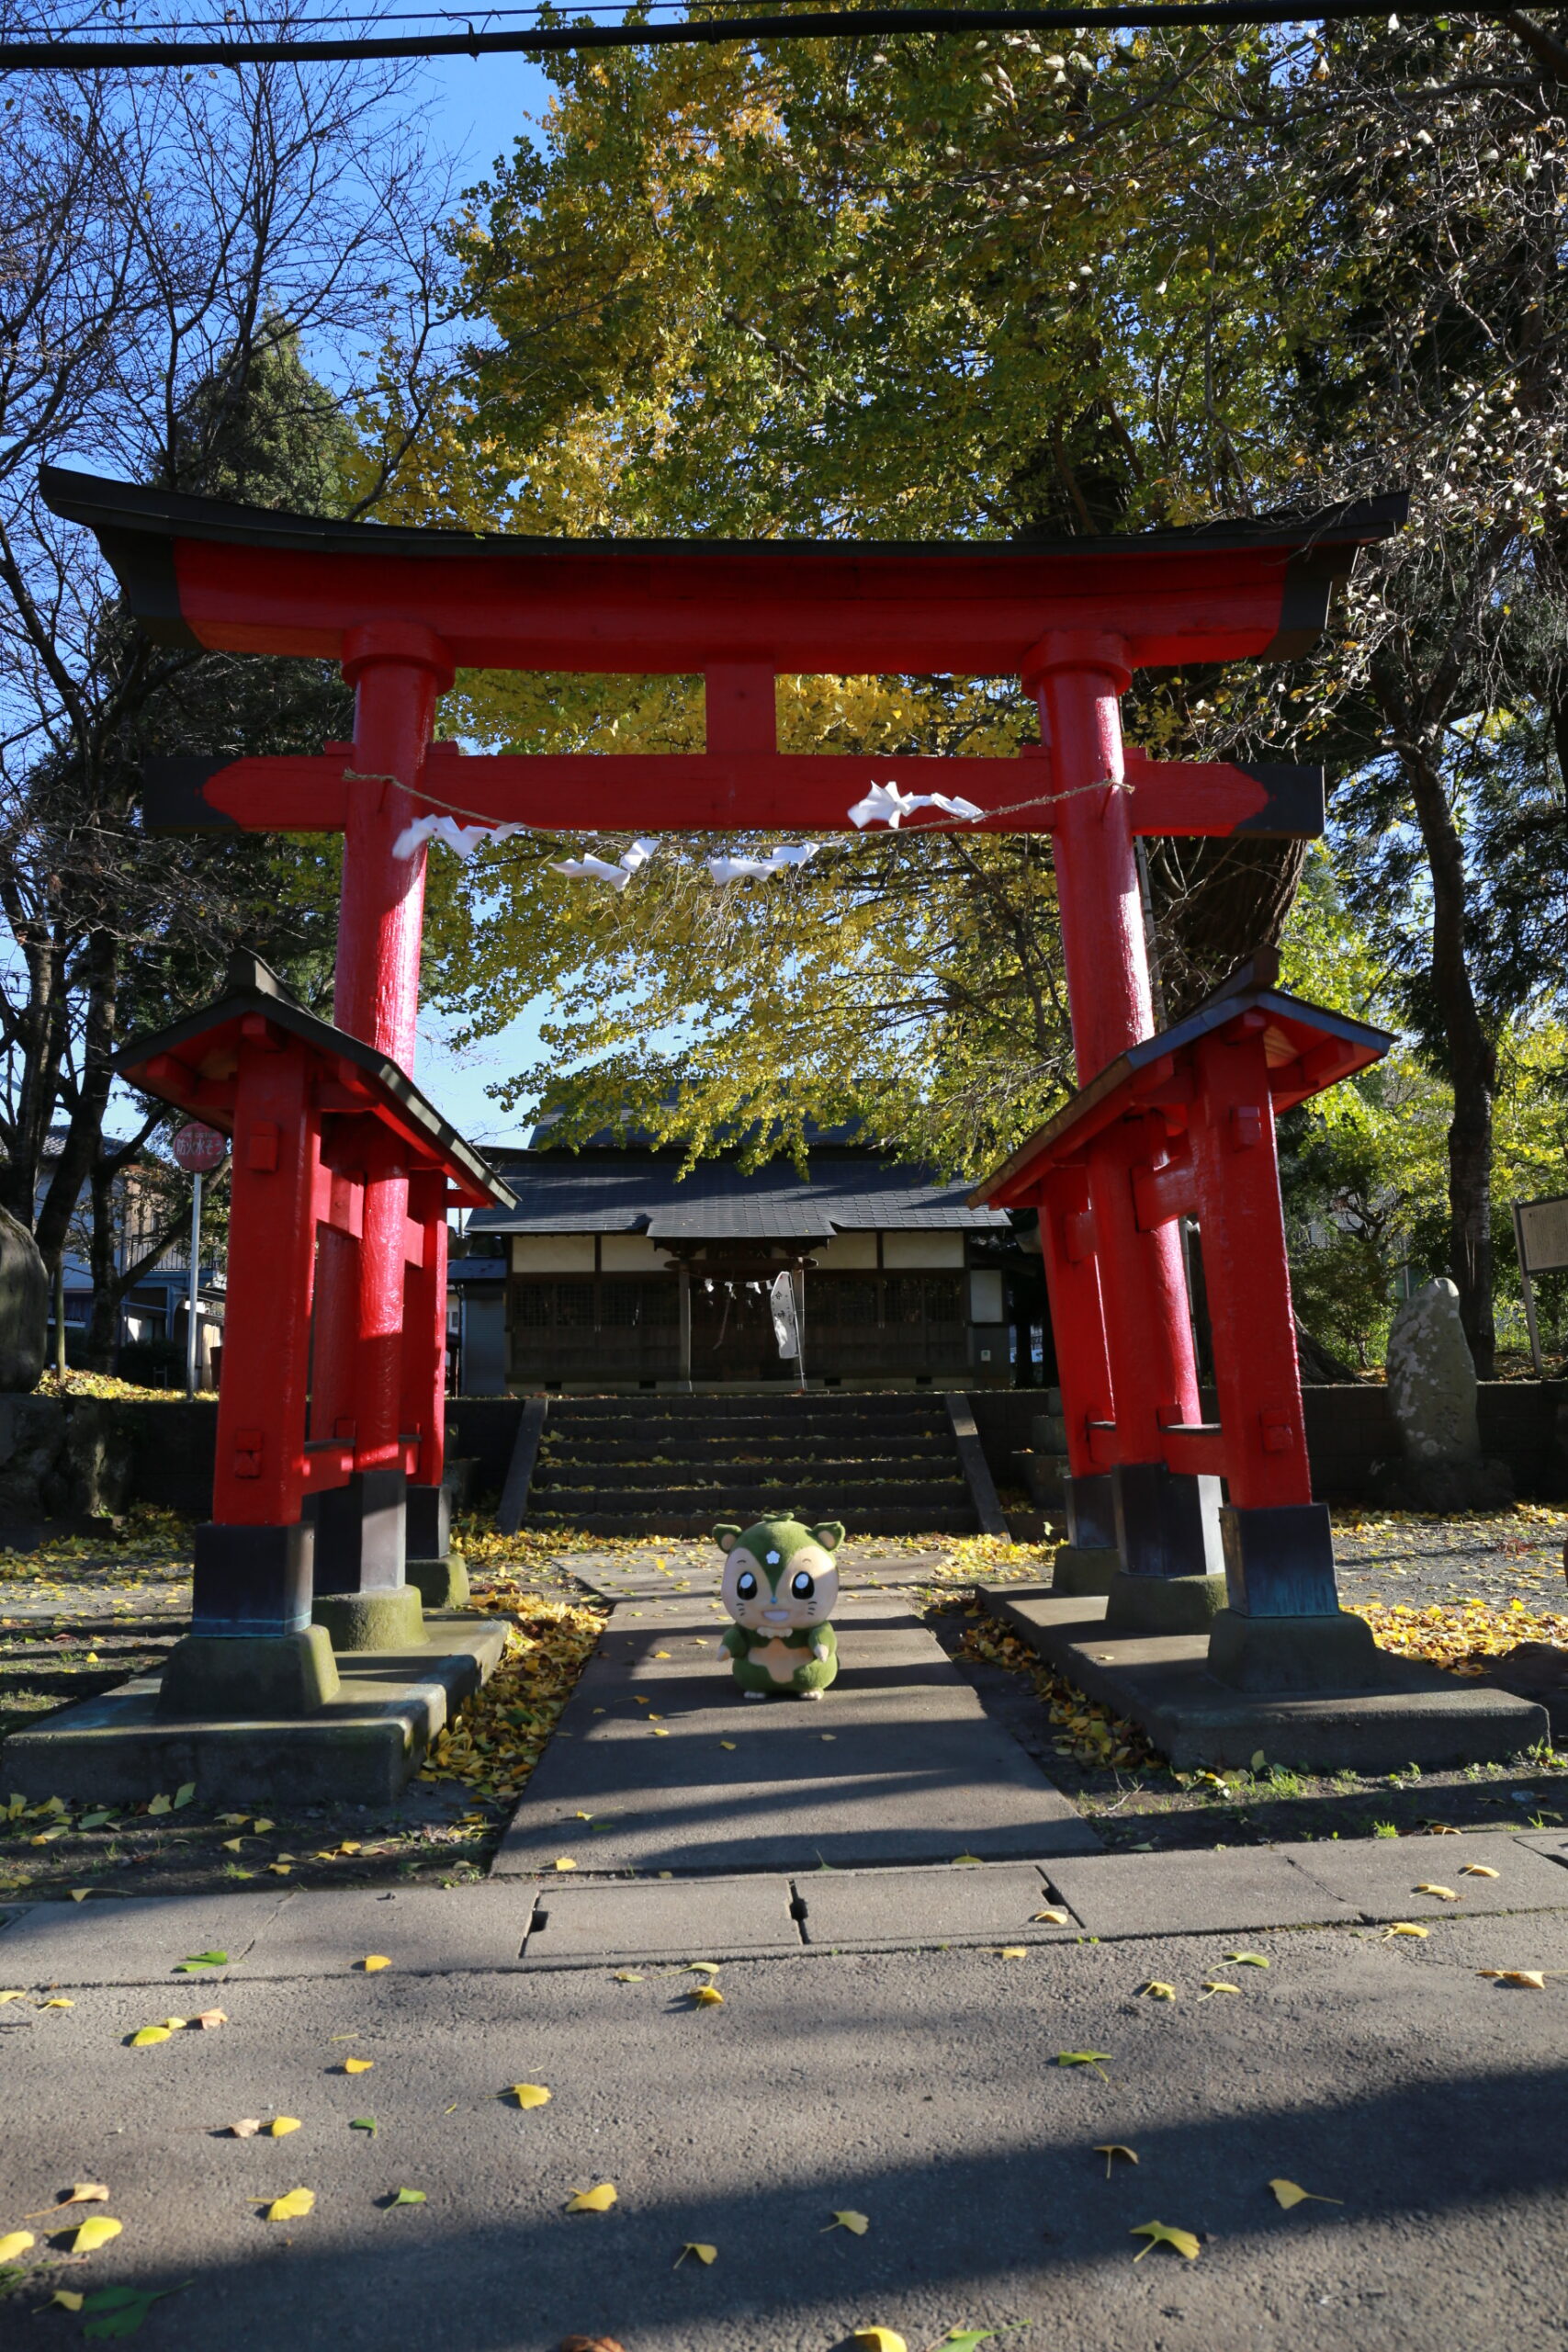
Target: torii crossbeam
x=403, y=609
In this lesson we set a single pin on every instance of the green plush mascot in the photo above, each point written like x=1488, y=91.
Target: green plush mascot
x=780, y=1585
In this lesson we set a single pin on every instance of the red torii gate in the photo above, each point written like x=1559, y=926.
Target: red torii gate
x=401, y=610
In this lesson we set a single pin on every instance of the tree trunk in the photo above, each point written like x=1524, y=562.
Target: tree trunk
x=102, y=1328
x=1471, y=1062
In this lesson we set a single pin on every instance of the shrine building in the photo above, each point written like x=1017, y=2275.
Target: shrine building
x=621, y=1274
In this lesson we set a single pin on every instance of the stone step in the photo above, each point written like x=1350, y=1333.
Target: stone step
x=931, y=1519
x=842, y=1445
x=759, y=1498
x=830, y=1410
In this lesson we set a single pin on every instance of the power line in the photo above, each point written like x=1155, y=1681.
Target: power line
x=78, y=56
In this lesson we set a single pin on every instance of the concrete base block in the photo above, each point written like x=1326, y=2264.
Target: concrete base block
x=358, y=1748
x=291, y=1675
x=1419, y=1715
x=688, y=1919
x=1284, y=1654
x=1083, y=1568
x=1163, y=1604
x=441, y=1584
x=389, y=1619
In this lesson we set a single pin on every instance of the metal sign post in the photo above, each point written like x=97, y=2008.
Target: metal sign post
x=197, y=1149
x=1540, y=1233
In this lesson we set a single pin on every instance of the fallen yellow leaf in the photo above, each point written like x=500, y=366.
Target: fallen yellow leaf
x=1443, y=1894
x=58, y=2002
x=292, y=2207
x=1403, y=1927
x=878, y=2339
x=592, y=2200
x=65, y=2299
x=704, y=2254
x=1479, y=1869
x=15, y=1995
x=148, y=2035
x=1157, y=1991
x=704, y=1967
x=965, y=1861
x=247, y=2128
x=1110, y=2149
x=281, y=2125
x=628, y=1976
x=1053, y=1918
x=565, y=1862
x=232, y=1845
x=89, y=2235
x=1287, y=2193
x=726, y=1743
x=174, y=2025
x=261, y=1827
x=17, y=2243
x=856, y=2224
x=357, y=2066
x=706, y=1996
x=1182, y=2242
x=373, y=1960
x=530, y=2093
x=1535, y=1978
x=1212, y=1985
x=86, y=2192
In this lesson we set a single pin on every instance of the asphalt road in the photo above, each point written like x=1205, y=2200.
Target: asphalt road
x=918, y=2088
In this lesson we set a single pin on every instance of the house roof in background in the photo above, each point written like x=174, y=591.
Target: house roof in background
x=641, y=1192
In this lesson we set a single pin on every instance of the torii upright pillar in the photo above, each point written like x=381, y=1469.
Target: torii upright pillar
x=1147, y=1535
x=381, y=1326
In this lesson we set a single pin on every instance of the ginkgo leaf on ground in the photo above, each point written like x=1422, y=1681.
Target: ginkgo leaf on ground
x=281, y=2125
x=1182, y=2242
x=1157, y=1991
x=373, y=1960
x=1535, y=1978
x=357, y=2066
x=408, y=2196
x=1479, y=1869
x=363, y=2123
x=292, y=2206
x=1403, y=1927
x=17, y=1993
x=565, y=1862
x=1443, y=1894
x=878, y=2339
x=86, y=2192
x=592, y=2200
x=247, y=2128
x=1288, y=2193
x=706, y=1996
x=856, y=2224
x=1247, y=1960
x=967, y=1861
x=1212, y=1985
x=65, y=2299
x=146, y=2036
x=120, y=2311
x=1013, y=1951
x=704, y=1967
x=160, y=1805
x=1110, y=2150
x=89, y=2235
x=183, y=1793
x=16, y=2244
x=706, y=2254
x=531, y=2094
x=199, y=1960
x=1095, y=2058
x=629, y=1976
x=1053, y=1918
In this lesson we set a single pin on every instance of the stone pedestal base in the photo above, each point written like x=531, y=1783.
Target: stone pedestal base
x=285, y=1675
x=441, y=1584
x=1280, y=1654
x=1083, y=1568
x=391, y=1619
x=1149, y=1605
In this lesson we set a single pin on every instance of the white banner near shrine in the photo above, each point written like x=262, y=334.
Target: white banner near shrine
x=787, y=1321
x=1540, y=1231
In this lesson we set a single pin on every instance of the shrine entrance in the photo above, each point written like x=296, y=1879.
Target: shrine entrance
x=403, y=609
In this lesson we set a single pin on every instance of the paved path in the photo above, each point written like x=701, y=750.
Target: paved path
x=919, y=2087
x=658, y=1763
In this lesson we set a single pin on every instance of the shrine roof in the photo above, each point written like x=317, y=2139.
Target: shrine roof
x=199, y=572
x=1308, y=1049
x=639, y=1191
x=252, y=987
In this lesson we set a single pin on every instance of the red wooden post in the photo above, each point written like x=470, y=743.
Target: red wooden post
x=1078, y=1322
x=258, y=1583
x=1079, y=678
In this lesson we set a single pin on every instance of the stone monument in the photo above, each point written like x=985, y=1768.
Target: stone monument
x=1433, y=1391
x=23, y=1309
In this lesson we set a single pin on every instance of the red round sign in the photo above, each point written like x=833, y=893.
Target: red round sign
x=200, y=1149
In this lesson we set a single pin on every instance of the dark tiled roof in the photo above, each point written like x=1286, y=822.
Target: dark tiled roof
x=630, y=1192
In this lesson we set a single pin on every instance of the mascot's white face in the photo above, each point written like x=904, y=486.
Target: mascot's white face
x=780, y=1591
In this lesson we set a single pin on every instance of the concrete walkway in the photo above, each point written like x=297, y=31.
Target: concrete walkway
x=920, y=2088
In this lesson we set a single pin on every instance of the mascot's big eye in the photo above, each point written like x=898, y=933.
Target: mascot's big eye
x=746, y=1586
x=803, y=1588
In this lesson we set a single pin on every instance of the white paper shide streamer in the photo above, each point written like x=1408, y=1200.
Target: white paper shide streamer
x=599, y=869
x=462, y=840
x=757, y=869
x=885, y=803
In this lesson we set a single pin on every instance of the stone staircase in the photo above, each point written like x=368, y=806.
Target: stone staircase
x=1044, y=1464
x=671, y=1465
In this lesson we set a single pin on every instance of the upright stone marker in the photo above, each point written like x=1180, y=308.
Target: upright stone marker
x=23, y=1309
x=1433, y=1390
